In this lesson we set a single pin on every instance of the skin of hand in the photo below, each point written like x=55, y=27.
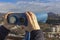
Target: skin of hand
x=5, y=24
x=32, y=22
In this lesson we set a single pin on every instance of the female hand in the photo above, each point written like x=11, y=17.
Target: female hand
x=32, y=22
x=5, y=23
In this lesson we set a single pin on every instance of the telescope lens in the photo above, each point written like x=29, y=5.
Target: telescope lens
x=22, y=20
x=12, y=19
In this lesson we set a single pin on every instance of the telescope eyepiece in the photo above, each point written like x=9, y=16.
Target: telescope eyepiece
x=22, y=20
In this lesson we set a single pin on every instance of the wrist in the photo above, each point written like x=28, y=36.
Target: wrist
x=37, y=27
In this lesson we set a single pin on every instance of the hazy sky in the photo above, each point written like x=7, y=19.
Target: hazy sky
x=30, y=5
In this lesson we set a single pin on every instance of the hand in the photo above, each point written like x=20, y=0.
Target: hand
x=32, y=22
x=6, y=25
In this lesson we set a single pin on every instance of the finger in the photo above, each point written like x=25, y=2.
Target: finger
x=32, y=16
x=31, y=13
x=34, y=19
x=8, y=14
x=28, y=17
x=5, y=17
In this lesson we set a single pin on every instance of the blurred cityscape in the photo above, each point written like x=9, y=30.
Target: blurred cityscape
x=51, y=31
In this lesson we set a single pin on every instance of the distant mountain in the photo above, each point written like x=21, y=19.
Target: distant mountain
x=53, y=16
x=51, y=13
